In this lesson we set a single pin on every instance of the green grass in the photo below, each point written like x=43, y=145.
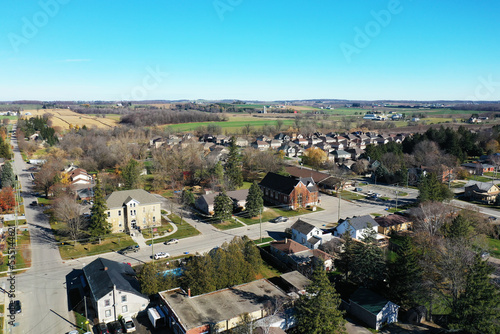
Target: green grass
x=267, y=271
x=1, y=318
x=23, y=253
x=246, y=185
x=227, y=225
x=80, y=322
x=44, y=201
x=264, y=240
x=13, y=222
x=184, y=230
x=478, y=178
x=165, y=227
x=402, y=194
x=350, y=196
x=394, y=210
x=458, y=184
x=494, y=247
x=231, y=125
x=376, y=214
x=113, y=243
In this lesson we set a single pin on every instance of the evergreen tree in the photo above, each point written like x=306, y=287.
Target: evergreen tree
x=405, y=275
x=233, y=168
x=4, y=149
x=431, y=189
x=346, y=258
x=98, y=221
x=368, y=265
x=199, y=275
x=477, y=308
x=7, y=177
x=187, y=197
x=131, y=174
x=460, y=228
x=317, y=311
x=223, y=207
x=255, y=201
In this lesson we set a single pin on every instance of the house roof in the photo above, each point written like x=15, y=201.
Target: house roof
x=369, y=300
x=296, y=279
x=481, y=186
x=102, y=274
x=280, y=183
x=391, y=220
x=118, y=198
x=305, y=172
x=197, y=311
x=303, y=227
x=238, y=195
x=288, y=246
x=313, y=240
x=361, y=222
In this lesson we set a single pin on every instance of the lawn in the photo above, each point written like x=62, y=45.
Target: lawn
x=458, y=184
x=1, y=318
x=23, y=253
x=184, y=230
x=246, y=185
x=478, y=178
x=494, y=247
x=264, y=240
x=267, y=271
x=230, y=125
x=350, y=196
x=227, y=225
x=13, y=222
x=113, y=243
x=271, y=213
x=164, y=228
x=80, y=322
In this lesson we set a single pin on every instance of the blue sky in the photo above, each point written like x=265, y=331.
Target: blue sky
x=249, y=49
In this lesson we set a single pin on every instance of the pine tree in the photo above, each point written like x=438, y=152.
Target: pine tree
x=98, y=221
x=368, y=265
x=405, y=275
x=233, y=168
x=477, y=308
x=460, y=228
x=7, y=178
x=131, y=174
x=255, y=201
x=317, y=311
x=223, y=207
x=187, y=197
x=431, y=189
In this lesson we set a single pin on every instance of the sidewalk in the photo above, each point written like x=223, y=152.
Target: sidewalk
x=141, y=241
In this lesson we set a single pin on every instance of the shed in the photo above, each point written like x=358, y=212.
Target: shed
x=373, y=309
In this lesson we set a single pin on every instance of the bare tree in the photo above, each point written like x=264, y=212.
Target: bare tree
x=429, y=217
x=69, y=211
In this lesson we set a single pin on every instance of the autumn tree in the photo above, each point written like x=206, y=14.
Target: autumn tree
x=48, y=176
x=317, y=311
x=255, y=201
x=314, y=157
x=67, y=210
x=7, y=199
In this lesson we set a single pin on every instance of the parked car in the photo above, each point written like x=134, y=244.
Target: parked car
x=280, y=219
x=102, y=329
x=172, y=241
x=129, y=249
x=128, y=324
x=358, y=189
x=161, y=255
x=15, y=306
x=34, y=203
x=115, y=327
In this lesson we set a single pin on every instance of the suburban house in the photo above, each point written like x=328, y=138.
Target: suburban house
x=372, y=309
x=296, y=282
x=136, y=208
x=260, y=145
x=481, y=191
x=340, y=155
x=394, y=222
x=79, y=176
x=308, y=235
x=478, y=168
x=299, y=257
x=222, y=309
x=205, y=203
x=356, y=226
x=289, y=192
x=114, y=290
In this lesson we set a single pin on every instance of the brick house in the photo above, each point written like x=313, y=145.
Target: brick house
x=289, y=192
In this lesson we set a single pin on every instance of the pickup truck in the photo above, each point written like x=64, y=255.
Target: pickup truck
x=129, y=249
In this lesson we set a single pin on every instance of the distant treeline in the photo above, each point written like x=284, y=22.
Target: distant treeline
x=159, y=117
x=478, y=107
x=100, y=110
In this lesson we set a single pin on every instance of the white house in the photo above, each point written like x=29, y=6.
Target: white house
x=372, y=309
x=308, y=235
x=114, y=290
x=205, y=203
x=357, y=226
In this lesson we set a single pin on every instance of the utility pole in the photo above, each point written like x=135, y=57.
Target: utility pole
x=152, y=244
x=397, y=192
x=260, y=225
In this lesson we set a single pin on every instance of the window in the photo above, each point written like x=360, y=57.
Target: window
x=131, y=212
x=124, y=298
x=134, y=205
x=107, y=313
x=119, y=212
x=109, y=214
x=119, y=224
x=107, y=302
x=144, y=220
x=134, y=212
x=124, y=309
x=154, y=219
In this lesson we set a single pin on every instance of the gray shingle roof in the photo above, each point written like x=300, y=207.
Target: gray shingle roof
x=361, y=222
x=302, y=226
x=103, y=274
x=117, y=198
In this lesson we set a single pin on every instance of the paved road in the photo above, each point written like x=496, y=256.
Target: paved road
x=42, y=288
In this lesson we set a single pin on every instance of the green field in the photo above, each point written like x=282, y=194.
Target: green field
x=234, y=126
x=494, y=247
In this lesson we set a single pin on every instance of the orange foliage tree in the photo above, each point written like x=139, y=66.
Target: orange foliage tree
x=7, y=199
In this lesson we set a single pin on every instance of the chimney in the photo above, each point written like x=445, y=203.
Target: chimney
x=189, y=292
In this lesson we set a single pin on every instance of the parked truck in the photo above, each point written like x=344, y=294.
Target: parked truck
x=157, y=317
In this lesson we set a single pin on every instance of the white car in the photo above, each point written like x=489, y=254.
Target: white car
x=161, y=255
x=128, y=324
x=172, y=241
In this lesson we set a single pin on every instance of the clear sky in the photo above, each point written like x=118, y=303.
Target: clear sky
x=249, y=49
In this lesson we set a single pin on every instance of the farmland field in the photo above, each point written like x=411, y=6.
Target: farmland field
x=65, y=117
